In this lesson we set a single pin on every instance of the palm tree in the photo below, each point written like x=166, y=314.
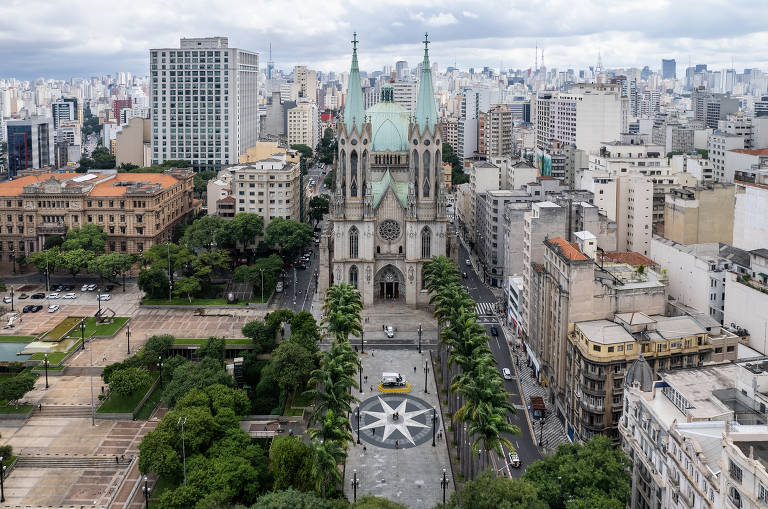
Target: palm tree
x=332, y=427
x=342, y=309
x=330, y=390
x=488, y=427
x=324, y=470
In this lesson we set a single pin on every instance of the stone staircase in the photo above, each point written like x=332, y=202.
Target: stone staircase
x=45, y=461
x=64, y=411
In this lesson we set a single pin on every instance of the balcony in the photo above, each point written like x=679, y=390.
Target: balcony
x=594, y=392
x=593, y=376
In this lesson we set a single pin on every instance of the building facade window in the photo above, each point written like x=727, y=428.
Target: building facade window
x=354, y=236
x=353, y=276
x=426, y=243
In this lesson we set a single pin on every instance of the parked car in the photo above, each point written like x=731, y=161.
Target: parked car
x=7, y=300
x=279, y=287
x=36, y=308
x=105, y=296
x=467, y=262
x=58, y=288
x=506, y=373
x=91, y=287
x=494, y=331
x=27, y=308
x=54, y=295
x=70, y=296
x=53, y=308
x=109, y=288
x=390, y=331
x=23, y=296
x=464, y=274
x=68, y=288
x=514, y=460
x=301, y=265
x=38, y=295
x=84, y=288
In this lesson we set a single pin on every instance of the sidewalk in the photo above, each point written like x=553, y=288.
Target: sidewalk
x=553, y=433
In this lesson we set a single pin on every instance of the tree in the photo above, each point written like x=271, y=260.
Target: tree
x=153, y=282
x=204, y=232
x=290, y=499
x=304, y=331
x=289, y=459
x=187, y=286
x=201, y=179
x=127, y=167
x=50, y=259
x=158, y=256
x=193, y=375
x=330, y=180
x=596, y=471
x=213, y=348
x=292, y=363
x=102, y=159
x=304, y=150
x=109, y=266
x=133, y=361
x=157, y=346
x=127, y=381
x=318, y=206
x=332, y=427
x=16, y=387
x=290, y=236
x=263, y=336
x=457, y=170
x=246, y=227
x=89, y=237
x=53, y=241
x=325, y=459
x=488, y=491
x=371, y=502
x=76, y=260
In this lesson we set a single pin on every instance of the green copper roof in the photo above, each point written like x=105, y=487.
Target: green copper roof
x=389, y=126
x=426, y=112
x=380, y=189
x=353, y=105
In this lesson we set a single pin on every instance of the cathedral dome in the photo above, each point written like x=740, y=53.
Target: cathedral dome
x=641, y=373
x=389, y=124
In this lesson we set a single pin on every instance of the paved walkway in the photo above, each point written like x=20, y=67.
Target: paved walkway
x=553, y=434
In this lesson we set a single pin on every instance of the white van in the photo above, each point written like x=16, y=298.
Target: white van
x=392, y=380
x=279, y=287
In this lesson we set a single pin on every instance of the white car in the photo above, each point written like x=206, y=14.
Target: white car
x=54, y=296
x=91, y=287
x=390, y=331
x=467, y=262
x=84, y=288
x=53, y=308
x=7, y=300
x=105, y=296
x=506, y=373
x=70, y=296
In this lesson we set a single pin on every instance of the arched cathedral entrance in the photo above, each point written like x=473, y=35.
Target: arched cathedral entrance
x=389, y=284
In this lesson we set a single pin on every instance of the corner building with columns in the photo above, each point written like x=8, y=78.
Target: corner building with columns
x=387, y=214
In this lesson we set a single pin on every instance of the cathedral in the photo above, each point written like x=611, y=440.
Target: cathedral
x=387, y=214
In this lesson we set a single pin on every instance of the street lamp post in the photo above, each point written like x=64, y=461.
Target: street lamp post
x=182, y=422
x=262, y=285
x=362, y=341
x=170, y=275
x=45, y=362
x=426, y=374
x=98, y=299
x=11, y=298
x=444, y=485
x=360, y=374
x=128, y=334
x=146, y=489
x=358, y=424
x=434, y=425
x=419, y=338
x=82, y=332
x=541, y=429
x=93, y=408
x=160, y=365
x=354, y=486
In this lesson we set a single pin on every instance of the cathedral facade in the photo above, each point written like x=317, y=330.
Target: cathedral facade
x=387, y=213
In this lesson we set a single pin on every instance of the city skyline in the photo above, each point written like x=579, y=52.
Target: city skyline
x=469, y=34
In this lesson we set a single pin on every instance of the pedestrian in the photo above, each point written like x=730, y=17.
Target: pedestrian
x=122, y=457
x=414, y=369
x=373, y=431
x=371, y=388
x=383, y=327
x=365, y=449
x=117, y=460
x=397, y=444
x=372, y=354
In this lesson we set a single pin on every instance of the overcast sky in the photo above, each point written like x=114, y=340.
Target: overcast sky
x=62, y=39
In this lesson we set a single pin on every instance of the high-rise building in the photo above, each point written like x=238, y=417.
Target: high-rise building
x=118, y=105
x=306, y=79
x=668, y=69
x=405, y=94
x=303, y=125
x=495, y=136
x=401, y=68
x=204, y=102
x=63, y=110
x=30, y=144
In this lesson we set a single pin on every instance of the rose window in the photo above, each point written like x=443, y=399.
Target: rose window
x=389, y=229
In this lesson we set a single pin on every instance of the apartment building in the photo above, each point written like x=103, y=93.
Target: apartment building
x=133, y=143
x=306, y=80
x=701, y=214
x=490, y=222
x=746, y=302
x=204, y=102
x=601, y=351
x=495, y=132
x=483, y=176
x=719, y=144
x=697, y=437
x=586, y=115
x=303, y=125
x=136, y=210
x=451, y=133
x=750, y=212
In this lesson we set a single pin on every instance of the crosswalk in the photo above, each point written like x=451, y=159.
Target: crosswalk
x=485, y=308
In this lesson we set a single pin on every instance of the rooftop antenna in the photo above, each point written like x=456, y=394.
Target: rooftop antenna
x=536, y=64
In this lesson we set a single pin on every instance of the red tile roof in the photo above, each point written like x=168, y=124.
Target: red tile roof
x=631, y=258
x=569, y=249
x=751, y=151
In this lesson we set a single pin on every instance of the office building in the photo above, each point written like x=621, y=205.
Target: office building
x=303, y=125
x=30, y=144
x=135, y=210
x=204, y=102
x=668, y=69
x=306, y=79
x=495, y=132
x=405, y=94
x=65, y=110
x=718, y=145
x=711, y=107
x=701, y=214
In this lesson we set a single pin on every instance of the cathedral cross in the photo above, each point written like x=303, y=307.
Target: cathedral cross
x=354, y=41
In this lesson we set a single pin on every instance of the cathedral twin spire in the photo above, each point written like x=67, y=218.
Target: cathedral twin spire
x=426, y=112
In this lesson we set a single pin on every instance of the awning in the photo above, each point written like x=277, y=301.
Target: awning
x=532, y=356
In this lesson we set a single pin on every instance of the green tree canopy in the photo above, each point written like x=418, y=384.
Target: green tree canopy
x=304, y=331
x=213, y=348
x=154, y=282
x=318, y=206
x=15, y=387
x=457, y=169
x=187, y=286
x=290, y=236
x=293, y=363
x=50, y=257
x=371, y=502
x=89, y=237
x=289, y=459
x=76, y=260
x=109, y=266
x=206, y=231
x=158, y=256
x=127, y=381
x=157, y=346
x=246, y=227
x=53, y=241
x=304, y=150
x=201, y=179
x=596, y=472
x=290, y=499
x=192, y=375
x=488, y=491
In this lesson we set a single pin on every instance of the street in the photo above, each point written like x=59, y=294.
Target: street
x=524, y=443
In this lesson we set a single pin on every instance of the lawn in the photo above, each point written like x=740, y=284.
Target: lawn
x=16, y=339
x=293, y=412
x=61, y=330
x=149, y=406
x=55, y=358
x=22, y=409
x=183, y=301
x=161, y=486
x=93, y=328
x=119, y=405
x=301, y=400
x=200, y=341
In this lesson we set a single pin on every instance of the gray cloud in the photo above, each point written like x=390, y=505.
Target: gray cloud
x=51, y=38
